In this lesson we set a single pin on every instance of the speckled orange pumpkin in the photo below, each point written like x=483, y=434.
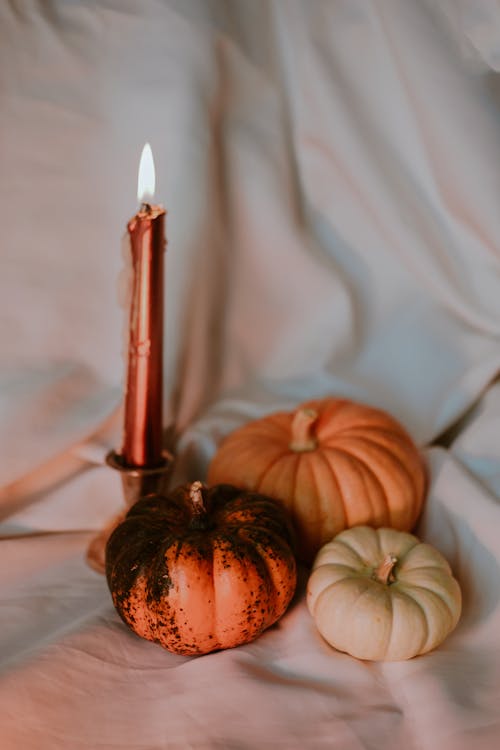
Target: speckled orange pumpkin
x=334, y=463
x=202, y=569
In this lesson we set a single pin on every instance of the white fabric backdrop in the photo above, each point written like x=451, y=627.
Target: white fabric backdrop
x=330, y=171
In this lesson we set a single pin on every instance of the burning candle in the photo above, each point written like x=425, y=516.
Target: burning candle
x=142, y=437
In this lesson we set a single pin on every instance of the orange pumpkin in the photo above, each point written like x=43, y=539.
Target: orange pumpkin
x=202, y=569
x=334, y=463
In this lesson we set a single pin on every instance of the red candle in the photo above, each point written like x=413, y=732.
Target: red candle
x=143, y=424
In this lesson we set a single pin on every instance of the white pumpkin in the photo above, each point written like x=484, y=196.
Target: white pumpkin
x=382, y=595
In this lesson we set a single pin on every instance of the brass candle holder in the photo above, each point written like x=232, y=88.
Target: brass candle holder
x=138, y=481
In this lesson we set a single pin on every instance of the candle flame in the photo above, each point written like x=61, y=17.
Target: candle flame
x=146, y=180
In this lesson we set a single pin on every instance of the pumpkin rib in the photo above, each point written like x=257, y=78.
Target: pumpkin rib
x=366, y=498
x=274, y=570
x=367, y=590
x=257, y=550
x=310, y=523
x=121, y=548
x=379, y=544
x=397, y=542
x=293, y=496
x=439, y=561
x=413, y=567
x=330, y=432
x=424, y=644
x=405, y=458
x=257, y=524
x=278, y=424
x=335, y=483
x=379, y=484
x=217, y=641
x=250, y=566
x=270, y=428
x=388, y=521
x=263, y=507
x=388, y=599
x=363, y=422
x=156, y=606
x=413, y=508
x=261, y=435
x=327, y=589
x=131, y=615
x=153, y=590
x=304, y=464
x=410, y=460
x=389, y=428
x=212, y=627
x=371, y=433
x=240, y=444
x=406, y=462
x=329, y=554
x=273, y=536
x=347, y=570
x=272, y=528
x=351, y=549
x=155, y=513
x=368, y=537
x=392, y=457
x=260, y=481
x=223, y=466
x=256, y=622
x=414, y=586
x=262, y=485
x=405, y=576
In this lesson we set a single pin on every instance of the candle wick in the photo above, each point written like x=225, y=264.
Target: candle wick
x=146, y=208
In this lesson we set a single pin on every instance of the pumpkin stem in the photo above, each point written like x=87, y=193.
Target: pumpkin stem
x=196, y=497
x=384, y=573
x=303, y=438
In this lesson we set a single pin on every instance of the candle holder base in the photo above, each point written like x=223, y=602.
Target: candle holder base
x=136, y=483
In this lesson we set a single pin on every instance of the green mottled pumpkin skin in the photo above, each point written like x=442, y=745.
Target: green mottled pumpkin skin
x=198, y=582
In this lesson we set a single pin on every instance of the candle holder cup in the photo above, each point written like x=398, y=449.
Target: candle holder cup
x=137, y=482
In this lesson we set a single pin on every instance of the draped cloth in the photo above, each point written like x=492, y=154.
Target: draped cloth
x=330, y=172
